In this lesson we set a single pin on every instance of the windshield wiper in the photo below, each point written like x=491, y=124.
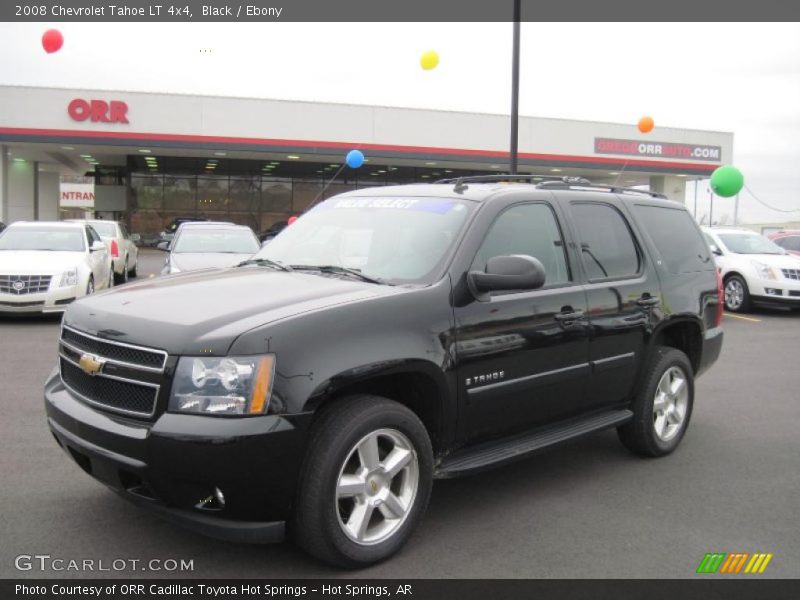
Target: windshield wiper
x=336, y=269
x=264, y=262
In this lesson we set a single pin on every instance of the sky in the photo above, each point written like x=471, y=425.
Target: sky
x=737, y=77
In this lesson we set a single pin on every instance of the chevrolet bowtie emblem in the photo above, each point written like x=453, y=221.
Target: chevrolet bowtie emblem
x=91, y=364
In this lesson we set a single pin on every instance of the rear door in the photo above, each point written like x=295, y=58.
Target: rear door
x=622, y=290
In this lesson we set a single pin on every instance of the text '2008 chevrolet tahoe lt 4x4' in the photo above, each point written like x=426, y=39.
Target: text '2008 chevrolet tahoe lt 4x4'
x=389, y=337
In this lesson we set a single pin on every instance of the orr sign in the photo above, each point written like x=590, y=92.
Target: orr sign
x=657, y=149
x=98, y=111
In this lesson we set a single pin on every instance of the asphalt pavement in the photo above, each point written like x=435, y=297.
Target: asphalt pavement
x=588, y=509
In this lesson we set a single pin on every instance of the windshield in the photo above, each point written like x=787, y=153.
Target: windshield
x=393, y=239
x=43, y=238
x=104, y=229
x=749, y=243
x=230, y=241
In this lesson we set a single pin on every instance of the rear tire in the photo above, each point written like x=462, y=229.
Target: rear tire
x=122, y=278
x=663, y=406
x=132, y=272
x=737, y=295
x=90, y=286
x=365, y=482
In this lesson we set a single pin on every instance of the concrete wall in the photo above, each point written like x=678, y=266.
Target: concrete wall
x=20, y=191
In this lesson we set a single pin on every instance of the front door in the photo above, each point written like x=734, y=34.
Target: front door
x=523, y=356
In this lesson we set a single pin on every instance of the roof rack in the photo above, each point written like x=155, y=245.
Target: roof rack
x=547, y=181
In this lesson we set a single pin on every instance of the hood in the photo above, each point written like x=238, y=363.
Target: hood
x=205, y=311
x=191, y=261
x=779, y=261
x=37, y=262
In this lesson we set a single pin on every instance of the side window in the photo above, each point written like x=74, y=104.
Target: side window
x=676, y=238
x=93, y=236
x=529, y=229
x=791, y=242
x=606, y=244
x=88, y=237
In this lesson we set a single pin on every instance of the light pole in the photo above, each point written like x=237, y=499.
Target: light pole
x=515, y=91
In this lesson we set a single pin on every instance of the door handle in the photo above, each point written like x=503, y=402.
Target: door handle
x=571, y=315
x=648, y=301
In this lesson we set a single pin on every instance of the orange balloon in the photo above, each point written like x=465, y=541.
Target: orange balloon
x=646, y=124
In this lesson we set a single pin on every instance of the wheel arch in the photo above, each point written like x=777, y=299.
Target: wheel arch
x=684, y=334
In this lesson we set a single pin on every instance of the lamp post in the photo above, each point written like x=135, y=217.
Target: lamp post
x=515, y=91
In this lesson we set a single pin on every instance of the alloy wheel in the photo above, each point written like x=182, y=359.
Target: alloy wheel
x=734, y=294
x=377, y=486
x=670, y=404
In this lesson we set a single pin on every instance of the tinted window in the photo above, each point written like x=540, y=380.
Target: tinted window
x=791, y=242
x=529, y=229
x=607, y=248
x=676, y=237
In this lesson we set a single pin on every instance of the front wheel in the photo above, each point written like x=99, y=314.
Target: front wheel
x=663, y=406
x=737, y=295
x=365, y=483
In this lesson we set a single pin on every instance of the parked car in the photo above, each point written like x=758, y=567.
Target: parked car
x=2, y=226
x=121, y=245
x=789, y=240
x=754, y=269
x=44, y=266
x=208, y=245
x=169, y=230
x=389, y=337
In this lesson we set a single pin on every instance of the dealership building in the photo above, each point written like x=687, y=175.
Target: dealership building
x=154, y=157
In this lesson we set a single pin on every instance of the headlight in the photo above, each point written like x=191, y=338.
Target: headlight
x=232, y=385
x=69, y=278
x=765, y=271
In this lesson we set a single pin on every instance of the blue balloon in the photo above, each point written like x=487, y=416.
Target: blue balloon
x=355, y=158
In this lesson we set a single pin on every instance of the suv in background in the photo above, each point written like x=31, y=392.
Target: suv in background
x=789, y=240
x=754, y=269
x=121, y=246
x=389, y=337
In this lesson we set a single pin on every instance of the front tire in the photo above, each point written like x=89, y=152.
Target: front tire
x=365, y=483
x=737, y=294
x=663, y=406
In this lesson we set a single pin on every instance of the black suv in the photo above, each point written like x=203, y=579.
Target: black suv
x=389, y=337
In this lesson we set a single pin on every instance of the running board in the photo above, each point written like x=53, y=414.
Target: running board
x=490, y=454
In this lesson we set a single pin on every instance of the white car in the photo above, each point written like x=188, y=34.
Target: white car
x=46, y=265
x=208, y=245
x=121, y=245
x=754, y=269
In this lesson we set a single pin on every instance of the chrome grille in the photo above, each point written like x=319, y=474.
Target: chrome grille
x=791, y=273
x=116, y=351
x=127, y=381
x=24, y=284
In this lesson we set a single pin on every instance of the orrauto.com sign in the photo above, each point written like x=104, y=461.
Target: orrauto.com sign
x=657, y=149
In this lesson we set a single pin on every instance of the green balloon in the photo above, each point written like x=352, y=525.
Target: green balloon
x=727, y=181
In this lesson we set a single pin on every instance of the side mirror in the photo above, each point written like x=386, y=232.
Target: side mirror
x=516, y=272
x=97, y=246
x=715, y=250
x=164, y=246
x=136, y=238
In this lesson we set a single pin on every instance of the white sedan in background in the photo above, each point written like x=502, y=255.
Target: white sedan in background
x=754, y=269
x=46, y=265
x=121, y=245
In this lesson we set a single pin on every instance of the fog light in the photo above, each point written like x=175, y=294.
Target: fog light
x=215, y=501
x=773, y=292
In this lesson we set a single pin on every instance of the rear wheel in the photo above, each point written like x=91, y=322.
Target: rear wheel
x=90, y=286
x=737, y=296
x=365, y=482
x=663, y=407
x=123, y=277
x=132, y=270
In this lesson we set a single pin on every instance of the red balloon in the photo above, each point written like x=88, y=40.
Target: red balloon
x=292, y=220
x=52, y=40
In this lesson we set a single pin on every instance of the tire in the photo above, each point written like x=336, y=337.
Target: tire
x=123, y=278
x=737, y=295
x=90, y=286
x=325, y=523
x=132, y=272
x=654, y=432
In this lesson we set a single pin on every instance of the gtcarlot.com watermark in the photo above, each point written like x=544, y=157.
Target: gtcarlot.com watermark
x=46, y=562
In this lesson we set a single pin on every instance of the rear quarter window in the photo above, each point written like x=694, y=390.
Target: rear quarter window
x=676, y=237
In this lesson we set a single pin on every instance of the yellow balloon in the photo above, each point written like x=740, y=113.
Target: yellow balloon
x=429, y=60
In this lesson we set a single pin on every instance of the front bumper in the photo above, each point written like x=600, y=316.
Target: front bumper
x=53, y=300
x=783, y=291
x=171, y=464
